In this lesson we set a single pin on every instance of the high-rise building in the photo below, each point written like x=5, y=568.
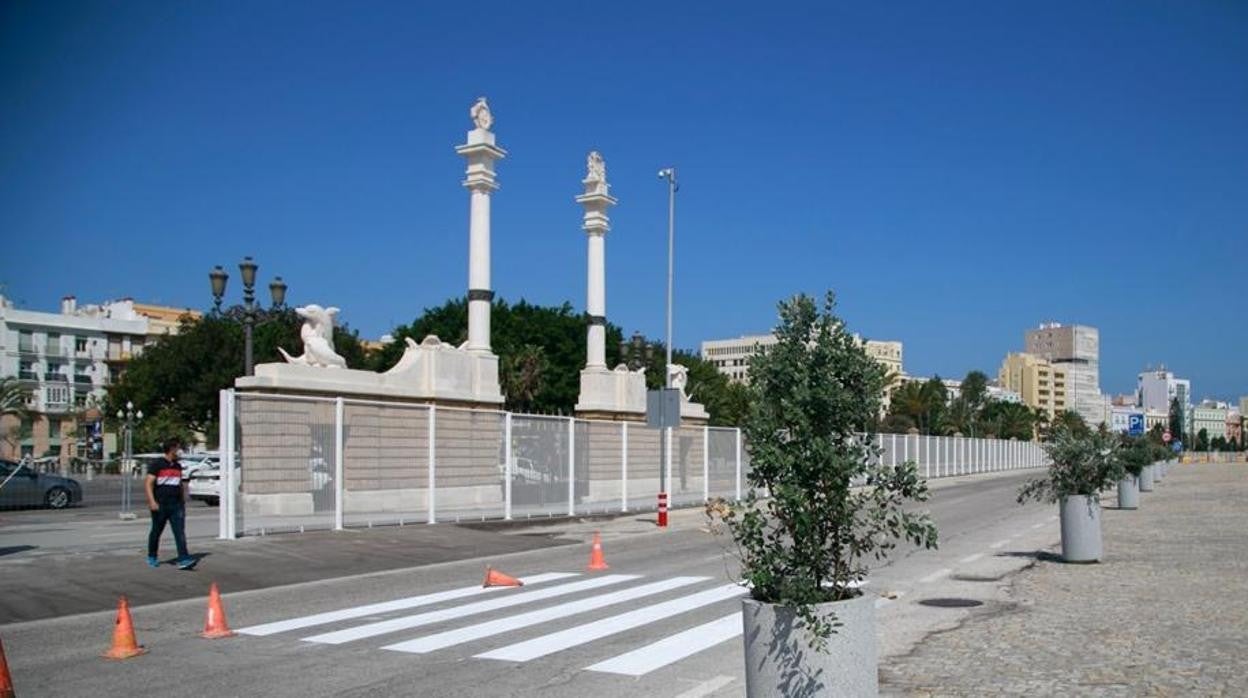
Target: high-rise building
x=67, y=360
x=1041, y=383
x=1155, y=390
x=1076, y=350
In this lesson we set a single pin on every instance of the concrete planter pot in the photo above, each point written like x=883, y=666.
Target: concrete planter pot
x=780, y=661
x=1159, y=471
x=1129, y=492
x=1146, y=479
x=1081, y=528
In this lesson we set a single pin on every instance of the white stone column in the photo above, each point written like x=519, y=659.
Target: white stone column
x=480, y=152
x=596, y=200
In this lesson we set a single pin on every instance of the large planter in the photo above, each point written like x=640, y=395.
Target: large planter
x=1129, y=492
x=1081, y=528
x=1159, y=471
x=1146, y=479
x=780, y=661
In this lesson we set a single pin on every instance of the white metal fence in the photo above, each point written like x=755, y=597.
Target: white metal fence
x=294, y=462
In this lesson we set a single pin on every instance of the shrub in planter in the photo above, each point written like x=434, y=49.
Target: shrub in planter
x=820, y=507
x=1134, y=455
x=1081, y=466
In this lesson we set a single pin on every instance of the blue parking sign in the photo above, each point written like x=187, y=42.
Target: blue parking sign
x=1135, y=425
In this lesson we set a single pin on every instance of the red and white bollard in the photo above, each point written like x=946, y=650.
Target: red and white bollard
x=662, y=510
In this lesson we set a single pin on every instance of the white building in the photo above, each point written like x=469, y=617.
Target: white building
x=1156, y=389
x=1076, y=349
x=67, y=360
x=732, y=356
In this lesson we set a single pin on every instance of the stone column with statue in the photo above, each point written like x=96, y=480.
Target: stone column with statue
x=618, y=394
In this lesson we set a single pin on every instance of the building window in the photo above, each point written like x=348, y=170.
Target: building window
x=80, y=345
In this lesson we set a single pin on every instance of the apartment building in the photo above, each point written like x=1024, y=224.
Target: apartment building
x=1076, y=350
x=67, y=360
x=732, y=356
x=1040, y=383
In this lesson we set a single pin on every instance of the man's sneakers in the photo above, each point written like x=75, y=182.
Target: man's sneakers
x=186, y=563
x=153, y=562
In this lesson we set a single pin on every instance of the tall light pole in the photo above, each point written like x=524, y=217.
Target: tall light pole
x=669, y=174
x=665, y=472
x=128, y=417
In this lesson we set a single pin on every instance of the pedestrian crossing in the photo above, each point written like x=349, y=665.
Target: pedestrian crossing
x=537, y=620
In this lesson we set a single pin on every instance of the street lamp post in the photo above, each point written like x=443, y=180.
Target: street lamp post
x=277, y=292
x=636, y=352
x=128, y=418
x=665, y=472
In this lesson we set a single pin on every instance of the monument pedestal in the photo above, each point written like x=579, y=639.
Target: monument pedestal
x=430, y=372
x=618, y=395
x=693, y=414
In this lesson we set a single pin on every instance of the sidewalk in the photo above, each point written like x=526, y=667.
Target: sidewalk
x=1164, y=614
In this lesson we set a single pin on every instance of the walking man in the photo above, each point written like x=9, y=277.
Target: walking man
x=166, y=498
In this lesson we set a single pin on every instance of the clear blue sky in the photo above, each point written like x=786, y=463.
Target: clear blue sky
x=956, y=172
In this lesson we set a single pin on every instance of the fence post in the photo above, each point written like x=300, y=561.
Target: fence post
x=905, y=448
x=508, y=468
x=738, y=463
x=927, y=461
x=431, y=493
x=623, y=466
x=339, y=485
x=706, y=463
x=225, y=411
x=571, y=466
x=892, y=451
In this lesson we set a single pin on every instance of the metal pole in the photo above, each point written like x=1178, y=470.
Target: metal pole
x=670, y=175
x=339, y=469
x=431, y=494
x=571, y=466
x=223, y=504
x=706, y=463
x=623, y=466
x=738, y=448
x=507, y=466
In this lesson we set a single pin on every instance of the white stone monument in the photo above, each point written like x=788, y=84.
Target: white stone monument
x=431, y=371
x=605, y=394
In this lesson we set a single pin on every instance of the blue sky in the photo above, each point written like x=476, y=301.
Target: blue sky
x=957, y=172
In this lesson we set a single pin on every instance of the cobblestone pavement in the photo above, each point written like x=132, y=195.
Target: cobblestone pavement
x=1164, y=614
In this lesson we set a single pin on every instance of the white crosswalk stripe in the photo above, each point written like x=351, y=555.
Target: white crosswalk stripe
x=449, y=638
x=408, y=622
x=581, y=634
x=643, y=654
x=390, y=606
x=674, y=648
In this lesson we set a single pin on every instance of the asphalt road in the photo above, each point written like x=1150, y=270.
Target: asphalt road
x=398, y=632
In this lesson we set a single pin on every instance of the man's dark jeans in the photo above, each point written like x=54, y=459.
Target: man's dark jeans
x=172, y=511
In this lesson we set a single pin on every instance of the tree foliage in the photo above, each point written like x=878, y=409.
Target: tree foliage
x=14, y=401
x=177, y=380
x=812, y=396
x=1082, y=463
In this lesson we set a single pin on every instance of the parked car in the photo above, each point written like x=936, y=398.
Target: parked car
x=23, y=487
x=205, y=484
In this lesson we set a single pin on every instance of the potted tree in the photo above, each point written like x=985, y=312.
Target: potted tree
x=1081, y=465
x=1134, y=456
x=820, y=507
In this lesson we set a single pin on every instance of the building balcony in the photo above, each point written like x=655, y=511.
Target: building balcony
x=82, y=380
x=26, y=348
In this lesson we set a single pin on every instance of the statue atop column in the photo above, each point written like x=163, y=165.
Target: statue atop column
x=480, y=113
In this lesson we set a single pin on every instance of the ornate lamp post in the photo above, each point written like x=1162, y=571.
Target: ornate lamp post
x=636, y=351
x=129, y=417
x=277, y=292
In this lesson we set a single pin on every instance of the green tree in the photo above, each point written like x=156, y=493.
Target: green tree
x=1008, y=420
x=1202, y=440
x=1071, y=422
x=1177, y=418
x=180, y=376
x=14, y=411
x=922, y=404
x=813, y=394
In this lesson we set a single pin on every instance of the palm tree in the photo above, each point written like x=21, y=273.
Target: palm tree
x=523, y=376
x=14, y=403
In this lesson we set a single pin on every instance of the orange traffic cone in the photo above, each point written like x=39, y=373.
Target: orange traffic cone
x=597, y=562
x=494, y=578
x=125, y=645
x=6, y=681
x=214, y=623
